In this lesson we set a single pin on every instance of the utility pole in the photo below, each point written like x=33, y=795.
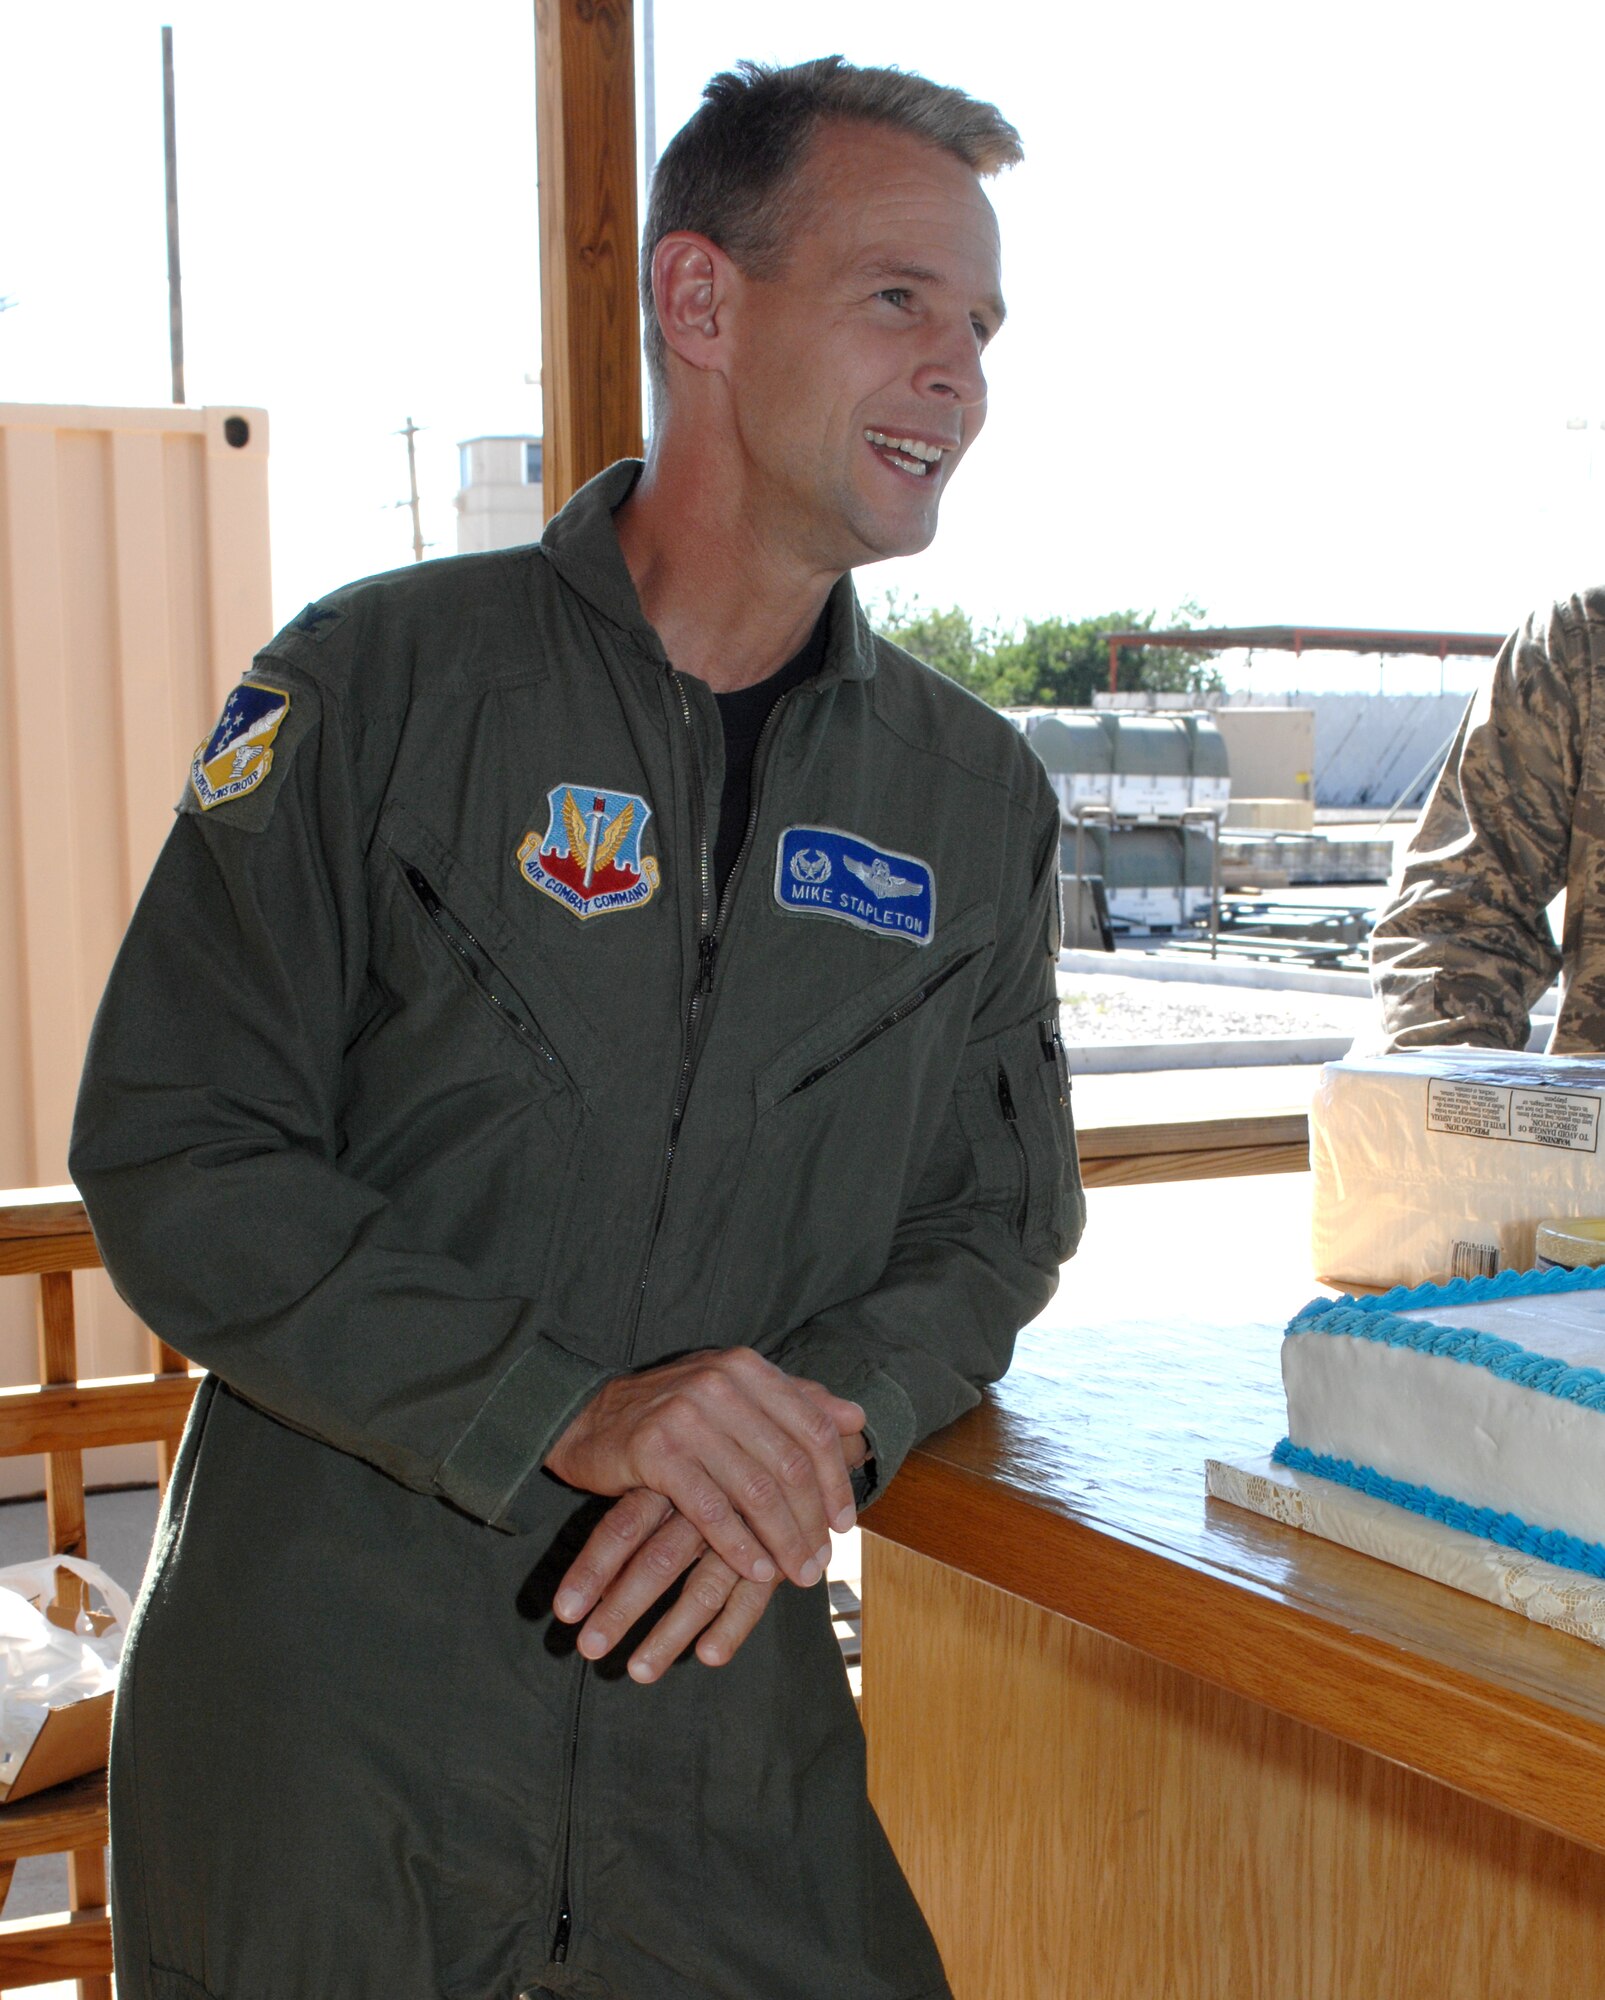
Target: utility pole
x=175, y=291
x=409, y=434
x=649, y=89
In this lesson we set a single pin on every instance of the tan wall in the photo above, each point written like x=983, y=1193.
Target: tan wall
x=1270, y=751
x=133, y=591
x=1291, y=815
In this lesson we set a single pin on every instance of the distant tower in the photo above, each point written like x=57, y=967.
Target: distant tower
x=500, y=503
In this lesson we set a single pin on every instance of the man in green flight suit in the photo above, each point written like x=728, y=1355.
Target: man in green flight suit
x=584, y=1080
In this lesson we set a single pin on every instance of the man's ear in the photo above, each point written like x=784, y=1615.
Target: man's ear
x=690, y=284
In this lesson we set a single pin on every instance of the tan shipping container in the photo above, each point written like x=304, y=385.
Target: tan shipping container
x=134, y=589
x=1271, y=752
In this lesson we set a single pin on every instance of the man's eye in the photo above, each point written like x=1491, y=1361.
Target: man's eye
x=983, y=333
x=896, y=295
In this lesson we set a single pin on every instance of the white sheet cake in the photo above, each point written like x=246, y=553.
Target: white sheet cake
x=1479, y=1403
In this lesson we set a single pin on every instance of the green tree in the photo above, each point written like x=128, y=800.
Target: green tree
x=1178, y=669
x=1062, y=662
x=1047, y=662
x=947, y=640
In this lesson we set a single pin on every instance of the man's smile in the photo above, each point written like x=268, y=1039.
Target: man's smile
x=915, y=456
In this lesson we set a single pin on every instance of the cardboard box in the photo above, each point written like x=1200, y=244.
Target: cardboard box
x=1441, y=1163
x=74, y=1739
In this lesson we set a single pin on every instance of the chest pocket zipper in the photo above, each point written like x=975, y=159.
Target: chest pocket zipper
x=476, y=962
x=888, y=1020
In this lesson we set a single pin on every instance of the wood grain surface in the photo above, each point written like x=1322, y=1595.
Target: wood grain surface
x=35, y=1949
x=590, y=320
x=1078, y=1819
x=64, y=1466
x=119, y=1410
x=65, y=1816
x=44, y=1229
x=1162, y=1125
x=1156, y=1102
x=1106, y=1165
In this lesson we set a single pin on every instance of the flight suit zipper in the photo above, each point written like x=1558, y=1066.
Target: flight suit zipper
x=1053, y=1051
x=710, y=928
x=710, y=925
x=565, y=1892
x=888, y=1020
x=476, y=961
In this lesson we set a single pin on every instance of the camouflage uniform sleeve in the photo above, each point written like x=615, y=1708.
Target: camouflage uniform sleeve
x=1464, y=948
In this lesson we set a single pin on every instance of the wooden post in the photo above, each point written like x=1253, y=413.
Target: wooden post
x=64, y=1470
x=590, y=319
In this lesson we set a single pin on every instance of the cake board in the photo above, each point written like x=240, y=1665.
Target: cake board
x=1565, y=1599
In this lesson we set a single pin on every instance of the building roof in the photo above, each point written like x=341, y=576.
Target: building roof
x=1315, y=639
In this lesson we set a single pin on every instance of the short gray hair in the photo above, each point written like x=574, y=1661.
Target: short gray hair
x=733, y=171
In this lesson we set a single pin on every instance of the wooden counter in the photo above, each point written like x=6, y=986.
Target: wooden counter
x=1131, y=1742
x=1170, y=1125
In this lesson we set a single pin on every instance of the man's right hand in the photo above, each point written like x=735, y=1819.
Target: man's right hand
x=636, y=1552
x=750, y=1456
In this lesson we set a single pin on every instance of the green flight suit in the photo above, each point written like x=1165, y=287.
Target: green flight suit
x=429, y=1091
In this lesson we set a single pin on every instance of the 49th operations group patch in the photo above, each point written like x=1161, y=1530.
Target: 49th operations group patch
x=238, y=754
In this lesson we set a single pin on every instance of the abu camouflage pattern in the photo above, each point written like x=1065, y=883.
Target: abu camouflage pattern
x=1465, y=947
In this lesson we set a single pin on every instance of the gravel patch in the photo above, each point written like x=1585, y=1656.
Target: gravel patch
x=1109, y=1008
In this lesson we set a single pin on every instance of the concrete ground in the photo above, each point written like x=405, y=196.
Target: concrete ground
x=1113, y=1008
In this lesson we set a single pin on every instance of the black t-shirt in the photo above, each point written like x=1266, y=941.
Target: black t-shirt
x=744, y=714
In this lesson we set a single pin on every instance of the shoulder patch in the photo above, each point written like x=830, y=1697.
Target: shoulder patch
x=238, y=754
x=820, y=871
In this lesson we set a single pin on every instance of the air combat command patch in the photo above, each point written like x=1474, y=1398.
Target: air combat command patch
x=589, y=858
x=238, y=754
x=822, y=872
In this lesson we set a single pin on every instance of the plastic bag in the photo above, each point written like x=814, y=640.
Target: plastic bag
x=44, y=1666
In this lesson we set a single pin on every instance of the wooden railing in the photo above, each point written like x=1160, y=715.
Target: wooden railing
x=1188, y=1125
x=45, y=1235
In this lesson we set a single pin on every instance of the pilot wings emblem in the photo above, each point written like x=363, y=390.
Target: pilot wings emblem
x=879, y=880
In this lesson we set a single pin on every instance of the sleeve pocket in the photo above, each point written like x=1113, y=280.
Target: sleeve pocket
x=1014, y=1104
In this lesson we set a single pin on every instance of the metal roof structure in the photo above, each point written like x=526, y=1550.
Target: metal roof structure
x=1310, y=639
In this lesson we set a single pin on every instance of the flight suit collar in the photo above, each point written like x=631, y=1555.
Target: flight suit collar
x=582, y=545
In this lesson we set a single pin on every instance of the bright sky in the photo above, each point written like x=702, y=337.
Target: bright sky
x=1301, y=299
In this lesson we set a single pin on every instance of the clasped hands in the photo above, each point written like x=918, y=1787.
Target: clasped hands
x=725, y=1466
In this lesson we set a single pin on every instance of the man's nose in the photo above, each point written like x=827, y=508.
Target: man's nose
x=954, y=370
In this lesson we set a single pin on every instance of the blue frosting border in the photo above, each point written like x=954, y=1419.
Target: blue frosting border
x=1378, y=1319
x=1508, y=1530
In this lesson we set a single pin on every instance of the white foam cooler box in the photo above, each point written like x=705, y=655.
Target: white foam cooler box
x=1441, y=1163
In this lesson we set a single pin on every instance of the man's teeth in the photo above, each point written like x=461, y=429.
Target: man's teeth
x=912, y=454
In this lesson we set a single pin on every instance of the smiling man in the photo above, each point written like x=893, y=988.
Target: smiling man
x=587, y=1087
